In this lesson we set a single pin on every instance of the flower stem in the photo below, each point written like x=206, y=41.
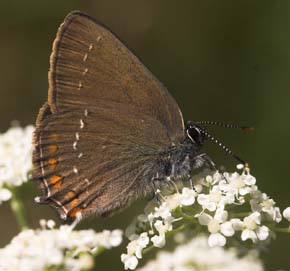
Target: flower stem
x=98, y=251
x=240, y=215
x=17, y=207
x=284, y=230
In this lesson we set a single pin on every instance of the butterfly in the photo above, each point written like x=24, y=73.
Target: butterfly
x=110, y=132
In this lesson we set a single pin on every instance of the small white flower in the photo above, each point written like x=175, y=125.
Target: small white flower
x=110, y=239
x=248, y=179
x=260, y=202
x=5, y=194
x=217, y=226
x=213, y=226
x=253, y=230
x=116, y=238
x=143, y=239
x=238, y=185
x=216, y=239
x=50, y=224
x=136, y=246
x=163, y=227
x=142, y=242
x=130, y=262
x=204, y=219
x=173, y=201
x=262, y=233
x=158, y=240
x=252, y=221
x=205, y=202
x=248, y=234
x=86, y=262
x=187, y=196
x=267, y=205
x=286, y=213
x=210, y=201
x=162, y=211
x=276, y=215
x=227, y=229
x=221, y=215
x=133, y=248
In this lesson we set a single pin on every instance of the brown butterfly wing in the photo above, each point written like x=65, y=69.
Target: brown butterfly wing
x=98, y=139
x=95, y=168
x=89, y=63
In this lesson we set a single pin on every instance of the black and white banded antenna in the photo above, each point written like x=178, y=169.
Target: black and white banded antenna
x=226, y=149
x=225, y=125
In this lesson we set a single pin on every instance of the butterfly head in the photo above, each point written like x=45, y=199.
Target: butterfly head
x=195, y=133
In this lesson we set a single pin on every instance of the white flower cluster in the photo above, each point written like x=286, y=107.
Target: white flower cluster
x=286, y=213
x=222, y=205
x=15, y=159
x=196, y=255
x=56, y=249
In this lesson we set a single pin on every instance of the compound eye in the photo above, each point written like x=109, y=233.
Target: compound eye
x=195, y=135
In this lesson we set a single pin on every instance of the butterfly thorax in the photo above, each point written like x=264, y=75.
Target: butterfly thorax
x=176, y=162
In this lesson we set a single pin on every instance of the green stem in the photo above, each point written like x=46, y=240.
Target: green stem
x=17, y=207
x=284, y=230
x=99, y=251
x=240, y=215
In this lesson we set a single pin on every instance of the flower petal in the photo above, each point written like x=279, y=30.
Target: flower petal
x=216, y=239
x=248, y=234
x=158, y=240
x=237, y=224
x=204, y=219
x=130, y=262
x=286, y=213
x=187, y=196
x=227, y=229
x=262, y=233
x=5, y=194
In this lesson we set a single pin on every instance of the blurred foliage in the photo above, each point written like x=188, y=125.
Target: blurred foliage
x=221, y=60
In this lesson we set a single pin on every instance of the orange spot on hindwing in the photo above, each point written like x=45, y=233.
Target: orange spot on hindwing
x=74, y=212
x=70, y=194
x=56, y=181
x=52, y=149
x=55, y=137
x=74, y=202
x=52, y=163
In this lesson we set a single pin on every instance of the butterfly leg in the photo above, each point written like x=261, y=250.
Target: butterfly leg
x=203, y=160
x=156, y=196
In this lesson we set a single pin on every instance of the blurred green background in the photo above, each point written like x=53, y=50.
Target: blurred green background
x=221, y=60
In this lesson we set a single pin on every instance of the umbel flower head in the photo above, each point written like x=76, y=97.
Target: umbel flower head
x=49, y=248
x=224, y=206
x=15, y=159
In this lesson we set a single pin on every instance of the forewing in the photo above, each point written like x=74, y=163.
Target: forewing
x=90, y=64
x=95, y=159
